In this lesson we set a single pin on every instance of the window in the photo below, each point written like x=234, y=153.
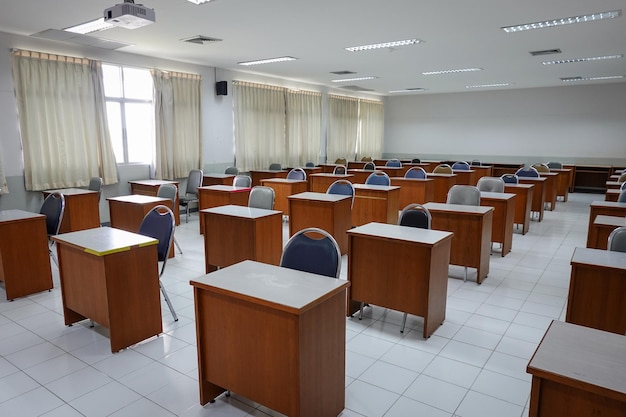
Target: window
x=130, y=112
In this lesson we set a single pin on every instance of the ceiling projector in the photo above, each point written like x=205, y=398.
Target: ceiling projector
x=129, y=15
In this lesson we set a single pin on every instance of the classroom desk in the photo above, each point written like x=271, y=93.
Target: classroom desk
x=356, y=164
x=221, y=195
x=482, y=171
x=613, y=185
x=539, y=194
x=471, y=226
x=392, y=171
x=283, y=188
x=503, y=217
x=329, y=212
x=217, y=179
x=608, y=208
x=402, y=268
x=500, y=169
x=551, y=187
x=319, y=183
x=601, y=229
x=235, y=233
x=564, y=180
x=121, y=289
x=81, y=209
x=578, y=371
x=360, y=175
x=523, y=203
x=612, y=195
x=329, y=168
x=273, y=335
x=375, y=203
x=443, y=183
x=597, y=290
x=414, y=190
x=151, y=187
x=24, y=257
x=263, y=174
x=465, y=177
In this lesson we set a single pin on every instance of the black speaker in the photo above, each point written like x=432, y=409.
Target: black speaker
x=221, y=88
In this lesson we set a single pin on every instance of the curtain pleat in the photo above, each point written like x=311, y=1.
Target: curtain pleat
x=343, y=127
x=304, y=126
x=371, y=115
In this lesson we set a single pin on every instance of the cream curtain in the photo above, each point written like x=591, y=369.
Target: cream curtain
x=304, y=126
x=259, y=113
x=343, y=115
x=371, y=115
x=63, y=123
x=4, y=188
x=177, y=106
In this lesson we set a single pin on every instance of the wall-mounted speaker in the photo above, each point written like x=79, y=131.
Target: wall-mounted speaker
x=221, y=88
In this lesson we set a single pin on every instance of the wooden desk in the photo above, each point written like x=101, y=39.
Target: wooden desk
x=465, y=177
x=551, y=187
x=443, y=183
x=360, y=175
x=482, y=171
x=393, y=171
x=81, y=209
x=356, y=164
x=601, y=229
x=235, y=233
x=121, y=289
x=505, y=168
x=471, y=226
x=523, y=203
x=263, y=174
x=578, y=371
x=564, y=180
x=597, y=290
x=319, y=183
x=612, y=195
x=217, y=179
x=503, y=217
x=273, y=335
x=329, y=168
x=608, y=208
x=375, y=203
x=221, y=195
x=283, y=188
x=151, y=187
x=329, y=212
x=402, y=268
x=414, y=190
x=310, y=171
x=591, y=177
x=539, y=194
x=24, y=258
x=613, y=185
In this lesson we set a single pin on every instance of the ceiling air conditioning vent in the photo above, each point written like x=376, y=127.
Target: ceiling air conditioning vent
x=201, y=40
x=344, y=72
x=356, y=88
x=545, y=52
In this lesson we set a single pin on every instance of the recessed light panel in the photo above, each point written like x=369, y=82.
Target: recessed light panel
x=198, y=1
x=268, y=61
x=451, y=71
x=383, y=45
x=489, y=85
x=346, y=80
x=575, y=60
x=563, y=21
x=606, y=77
x=408, y=90
x=90, y=27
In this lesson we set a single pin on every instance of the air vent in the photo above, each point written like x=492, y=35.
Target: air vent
x=344, y=72
x=545, y=52
x=201, y=40
x=356, y=88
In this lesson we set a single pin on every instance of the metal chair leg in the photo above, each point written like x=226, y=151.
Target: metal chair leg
x=167, y=300
x=178, y=246
x=403, y=323
x=361, y=311
x=465, y=277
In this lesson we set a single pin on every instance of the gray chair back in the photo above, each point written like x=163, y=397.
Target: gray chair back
x=296, y=174
x=194, y=181
x=168, y=191
x=261, y=197
x=415, y=172
x=622, y=196
x=232, y=171
x=555, y=165
x=617, y=240
x=275, y=167
x=510, y=178
x=464, y=194
x=242, y=181
x=491, y=184
x=95, y=184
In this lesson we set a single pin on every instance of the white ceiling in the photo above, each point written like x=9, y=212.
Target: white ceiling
x=456, y=34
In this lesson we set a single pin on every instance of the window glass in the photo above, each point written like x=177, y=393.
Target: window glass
x=139, y=122
x=137, y=84
x=112, y=81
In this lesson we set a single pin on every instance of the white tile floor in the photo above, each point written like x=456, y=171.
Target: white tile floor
x=474, y=364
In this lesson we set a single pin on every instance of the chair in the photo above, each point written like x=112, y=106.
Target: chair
x=378, y=178
x=443, y=169
x=617, y=240
x=159, y=224
x=232, y=171
x=623, y=186
x=555, y=165
x=305, y=252
x=275, y=167
x=53, y=207
x=541, y=167
x=394, y=163
x=416, y=161
x=622, y=196
x=510, y=179
x=261, y=197
x=191, y=192
x=622, y=178
x=169, y=191
x=415, y=172
x=366, y=159
x=339, y=170
x=527, y=172
x=464, y=194
x=341, y=161
x=242, y=181
x=475, y=163
x=343, y=187
x=491, y=184
x=369, y=166
x=95, y=184
x=310, y=164
x=296, y=174
x=461, y=165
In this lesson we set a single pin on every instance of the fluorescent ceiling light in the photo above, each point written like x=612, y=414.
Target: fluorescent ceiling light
x=488, y=85
x=383, y=45
x=89, y=27
x=574, y=60
x=198, y=1
x=606, y=77
x=268, y=61
x=563, y=21
x=408, y=90
x=451, y=71
x=345, y=80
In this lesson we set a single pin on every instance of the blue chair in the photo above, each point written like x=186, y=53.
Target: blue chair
x=416, y=161
x=169, y=191
x=231, y=171
x=53, y=207
x=527, y=172
x=378, y=178
x=191, y=192
x=305, y=251
x=310, y=164
x=242, y=181
x=617, y=240
x=342, y=187
x=461, y=165
x=622, y=196
x=623, y=186
x=296, y=174
x=369, y=166
x=394, y=163
x=415, y=172
x=491, y=184
x=510, y=179
x=159, y=224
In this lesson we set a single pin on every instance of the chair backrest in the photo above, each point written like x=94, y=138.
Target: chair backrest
x=341, y=161
x=339, y=169
x=461, y=165
x=369, y=166
x=53, y=207
x=305, y=251
x=395, y=163
x=492, y=184
x=296, y=174
x=415, y=172
x=617, y=240
x=464, y=194
x=527, y=172
x=416, y=161
x=415, y=215
x=475, y=163
x=343, y=187
x=243, y=181
x=232, y=171
x=194, y=181
x=541, y=167
x=168, y=191
x=555, y=165
x=159, y=224
x=275, y=167
x=261, y=197
x=510, y=178
x=623, y=186
x=622, y=196
x=622, y=178
x=442, y=169
x=95, y=184
x=366, y=159
x=310, y=164
x=378, y=178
